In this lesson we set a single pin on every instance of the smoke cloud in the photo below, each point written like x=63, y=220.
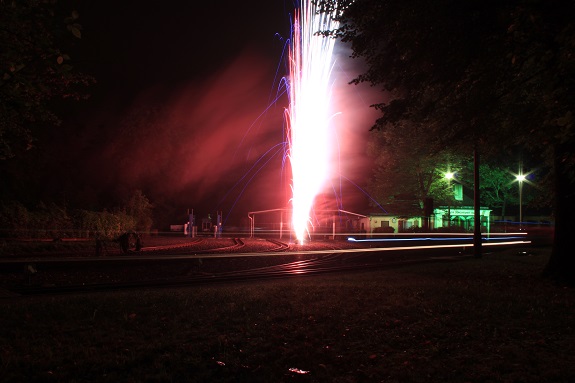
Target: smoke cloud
x=193, y=144
x=217, y=143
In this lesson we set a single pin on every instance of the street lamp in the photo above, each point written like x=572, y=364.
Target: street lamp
x=520, y=178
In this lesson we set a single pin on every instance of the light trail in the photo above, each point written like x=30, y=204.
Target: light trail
x=308, y=114
x=442, y=239
x=163, y=257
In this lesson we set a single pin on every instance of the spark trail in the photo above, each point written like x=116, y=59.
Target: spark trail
x=308, y=114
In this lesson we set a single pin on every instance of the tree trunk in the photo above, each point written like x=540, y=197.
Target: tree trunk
x=476, y=206
x=561, y=265
x=427, y=212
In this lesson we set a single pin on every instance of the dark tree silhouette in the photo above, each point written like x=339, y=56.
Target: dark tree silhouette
x=34, y=69
x=479, y=75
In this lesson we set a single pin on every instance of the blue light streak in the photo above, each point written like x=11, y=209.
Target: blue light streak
x=469, y=239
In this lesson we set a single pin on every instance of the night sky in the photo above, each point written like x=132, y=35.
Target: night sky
x=188, y=107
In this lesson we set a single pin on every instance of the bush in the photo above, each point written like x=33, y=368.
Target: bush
x=452, y=229
x=14, y=219
x=53, y=221
x=105, y=225
x=385, y=229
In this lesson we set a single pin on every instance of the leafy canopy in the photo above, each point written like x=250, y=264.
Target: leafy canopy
x=34, y=69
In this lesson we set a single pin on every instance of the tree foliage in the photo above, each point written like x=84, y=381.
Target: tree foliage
x=497, y=187
x=57, y=221
x=408, y=169
x=403, y=172
x=477, y=75
x=34, y=69
x=139, y=207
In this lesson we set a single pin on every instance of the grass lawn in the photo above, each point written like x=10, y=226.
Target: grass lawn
x=487, y=320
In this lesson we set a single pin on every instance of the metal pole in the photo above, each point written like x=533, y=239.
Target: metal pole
x=449, y=204
x=191, y=224
x=520, y=205
x=333, y=228
x=476, y=206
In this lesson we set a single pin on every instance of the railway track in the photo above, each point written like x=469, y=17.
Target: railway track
x=281, y=246
x=327, y=263
x=236, y=244
x=157, y=268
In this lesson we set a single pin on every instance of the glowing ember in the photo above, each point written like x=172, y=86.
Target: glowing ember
x=310, y=59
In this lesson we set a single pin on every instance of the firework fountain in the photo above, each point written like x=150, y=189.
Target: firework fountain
x=308, y=114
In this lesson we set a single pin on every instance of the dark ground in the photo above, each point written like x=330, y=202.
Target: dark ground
x=475, y=320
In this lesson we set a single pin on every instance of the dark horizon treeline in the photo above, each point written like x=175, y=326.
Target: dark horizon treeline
x=56, y=221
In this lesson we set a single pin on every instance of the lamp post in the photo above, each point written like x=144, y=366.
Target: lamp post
x=520, y=178
x=449, y=177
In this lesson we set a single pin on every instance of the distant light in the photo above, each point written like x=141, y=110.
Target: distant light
x=520, y=177
x=449, y=175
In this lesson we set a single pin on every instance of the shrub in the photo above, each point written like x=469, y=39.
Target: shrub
x=14, y=219
x=384, y=229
